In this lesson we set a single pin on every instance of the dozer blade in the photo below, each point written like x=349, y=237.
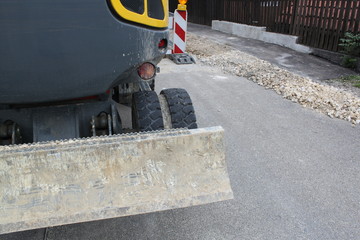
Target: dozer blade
x=63, y=182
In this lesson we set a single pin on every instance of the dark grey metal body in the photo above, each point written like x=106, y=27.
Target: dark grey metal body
x=52, y=52
x=56, y=50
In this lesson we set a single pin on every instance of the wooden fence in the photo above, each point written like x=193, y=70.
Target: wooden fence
x=318, y=23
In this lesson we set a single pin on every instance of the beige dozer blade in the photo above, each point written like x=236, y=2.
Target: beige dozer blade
x=63, y=182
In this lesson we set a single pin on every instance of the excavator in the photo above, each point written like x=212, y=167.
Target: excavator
x=72, y=73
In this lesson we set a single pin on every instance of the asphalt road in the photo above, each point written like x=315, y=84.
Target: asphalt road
x=295, y=173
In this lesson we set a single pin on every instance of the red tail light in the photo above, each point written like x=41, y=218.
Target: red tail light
x=162, y=43
x=147, y=71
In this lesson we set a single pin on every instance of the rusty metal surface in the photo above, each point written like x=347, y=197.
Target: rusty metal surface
x=71, y=181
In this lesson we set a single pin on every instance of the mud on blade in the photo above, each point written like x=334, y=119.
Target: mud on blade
x=57, y=183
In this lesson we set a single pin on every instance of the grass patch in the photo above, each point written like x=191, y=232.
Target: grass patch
x=353, y=79
x=357, y=85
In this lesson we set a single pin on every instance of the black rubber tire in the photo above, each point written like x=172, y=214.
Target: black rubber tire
x=146, y=112
x=182, y=112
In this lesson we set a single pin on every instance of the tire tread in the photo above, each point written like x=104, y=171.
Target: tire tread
x=146, y=109
x=181, y=108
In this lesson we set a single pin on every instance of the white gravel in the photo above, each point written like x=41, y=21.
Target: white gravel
x=322, y=98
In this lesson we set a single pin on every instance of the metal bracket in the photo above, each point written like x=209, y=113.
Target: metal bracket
x=182, y=58
x=144, y=85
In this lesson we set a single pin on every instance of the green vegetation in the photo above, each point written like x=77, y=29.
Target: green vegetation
x=353, y=79
x=349, y=62
x=351, y=48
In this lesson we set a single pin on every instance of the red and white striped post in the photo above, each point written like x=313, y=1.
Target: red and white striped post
x=179, y=55
x=180, y=26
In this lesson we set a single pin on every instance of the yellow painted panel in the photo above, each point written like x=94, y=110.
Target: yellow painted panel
x=142, y=18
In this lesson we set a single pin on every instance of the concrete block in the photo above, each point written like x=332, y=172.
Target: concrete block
x=248, y=31
x=222, y=26
x=259, y=33
x=279, y=39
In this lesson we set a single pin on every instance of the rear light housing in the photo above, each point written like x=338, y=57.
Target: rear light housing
x=147, y=71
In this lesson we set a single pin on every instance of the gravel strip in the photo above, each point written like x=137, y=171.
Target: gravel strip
x=322, y=98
